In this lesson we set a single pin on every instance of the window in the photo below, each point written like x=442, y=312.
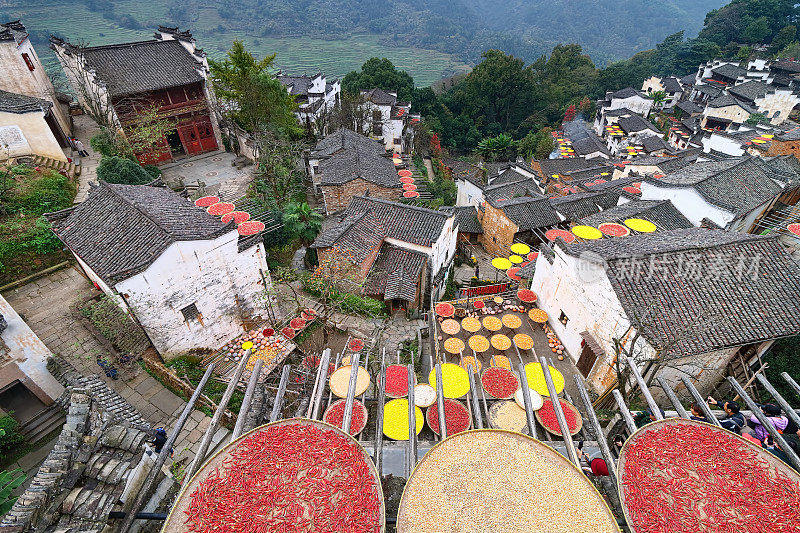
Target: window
x=190, y=312
x=28, y=62
x=563, y=318
x=397, y=140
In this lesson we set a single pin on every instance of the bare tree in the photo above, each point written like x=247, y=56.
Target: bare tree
x=651, y=359
x=353, y=113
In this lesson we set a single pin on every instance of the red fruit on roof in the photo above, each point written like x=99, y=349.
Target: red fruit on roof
x=356, y=345
x=221, y=208
x=410, y=194
x=206, y=201
x=297, y=323
x=289, y=333
x=251, y=227
x=236, y=216
x=613, y=229
x=553, y=234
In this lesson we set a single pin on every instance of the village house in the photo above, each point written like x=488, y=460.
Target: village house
x=346, y=164
x=731, y=192
x=24, y=74
x=388, y=119
x=725, y=112
x=783, y=143
x=167, y=74
x=722, y=71
x=629, y=130
x=775, y=103
x=633, y=101
x=26, y=128
x=469, y=226
x=669, y=85
x=689, y=293
x=401, y=252
x=315, y=95
x=662, y=213
x=27, y=388
x=190, y=281
x=510, y=220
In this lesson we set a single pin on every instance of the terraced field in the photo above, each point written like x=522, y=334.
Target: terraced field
x=335, y=58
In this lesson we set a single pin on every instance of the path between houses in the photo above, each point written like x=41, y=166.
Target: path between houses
x=46, y=305
x=429, y=166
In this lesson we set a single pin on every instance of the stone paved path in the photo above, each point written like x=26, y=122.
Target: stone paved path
x=46, y=305
x=84, y=128
x=215, y=170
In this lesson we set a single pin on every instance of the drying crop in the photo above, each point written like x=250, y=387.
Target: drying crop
x=456, y=417
x=499, y=382
x=680, y=476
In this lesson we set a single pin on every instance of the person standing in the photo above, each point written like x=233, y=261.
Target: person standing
x=733, y=420
x=81, y=149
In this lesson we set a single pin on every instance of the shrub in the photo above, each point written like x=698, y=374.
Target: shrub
x=115, y=169
x=153, y=170
x=42, y=239
x=105, y=144
x=10, y=437
x=50, y=192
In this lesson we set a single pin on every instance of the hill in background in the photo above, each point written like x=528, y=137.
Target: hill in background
x=431, y=39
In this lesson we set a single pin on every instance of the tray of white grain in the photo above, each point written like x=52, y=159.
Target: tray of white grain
x=500, y=482
x=508, y=415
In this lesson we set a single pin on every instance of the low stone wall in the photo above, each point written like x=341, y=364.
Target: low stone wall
x=155, y=365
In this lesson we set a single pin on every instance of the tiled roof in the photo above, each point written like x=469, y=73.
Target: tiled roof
x=737, y=184
x=791, y=135
x=560, y=166
x=660, y=212
x=726, y=100
x=507, y=176
x=529, y=213
x=729, y=71
x=671, y=84
x=21, y=103
x=589, y=145
x=627, y=92
x=750, y=90
x=379, y=97
x=407, y=223
x=689, y=107
x=579, y=205
x=120, y=230
x=466, y=218
x=463, y=170
x=359, y=234
x=653, y=143
x=298, y=85
x=634, y=124
x=695, y=290
x=786, y=168
x=523, y=187
x=395, y=273
x=619, y=112
x=689, y=79
x=787, y=65
x=711, y=90
x=358, y=161
x=345, y=138
x=132, y=68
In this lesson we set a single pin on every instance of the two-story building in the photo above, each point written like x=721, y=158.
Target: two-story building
x=388, y=119
x=315, y=95
x=401, y=252
x=669, y=85
x=24, y=74
x=167, y=74
x=191, y=281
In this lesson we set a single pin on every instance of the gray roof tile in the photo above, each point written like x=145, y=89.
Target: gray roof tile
x=132, y=68
x=21, y=103
x=120, y=230
x=395, y=273
x=660, y=212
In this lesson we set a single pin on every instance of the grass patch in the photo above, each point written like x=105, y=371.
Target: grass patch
x=27, y=245
x=188, y=367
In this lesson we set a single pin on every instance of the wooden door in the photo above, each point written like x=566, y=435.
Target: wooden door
x=586, y=360
x=206, y=133
x=190, y=138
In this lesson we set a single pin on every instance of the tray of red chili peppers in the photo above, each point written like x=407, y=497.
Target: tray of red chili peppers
x=547, y=417
x=456, y=416
x=397, y=381
x=683, y=476
x=291, y=475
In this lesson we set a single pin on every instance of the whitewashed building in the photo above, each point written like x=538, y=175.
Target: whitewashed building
x=388, y=119
x=315, y=95
x=669, y=85
x=731, y=193
x=190, y=280
x=688, y=292
x=23, y=364
x=26, y=128
x=23, y=73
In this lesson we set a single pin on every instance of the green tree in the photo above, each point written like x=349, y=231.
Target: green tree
x=658, y=98
x=381, y=73
x=277, y=176
x=116, y=169
x=791, y=51
x=302, y=221
x=784, y=38
x=756, y=118
x=252, y=98
x=537, y=145
x=498, y=148
x=757, y=31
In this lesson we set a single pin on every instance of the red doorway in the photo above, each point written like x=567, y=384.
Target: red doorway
x=198, y=136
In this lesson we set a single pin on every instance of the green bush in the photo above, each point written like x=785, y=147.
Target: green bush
x=42, y=239
x=784, y=356
x=50, y=192
x=115, y=169
x=153, y=170
x=10, y=437
x=104, y=144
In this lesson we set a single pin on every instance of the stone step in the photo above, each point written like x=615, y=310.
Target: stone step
x=43, y=423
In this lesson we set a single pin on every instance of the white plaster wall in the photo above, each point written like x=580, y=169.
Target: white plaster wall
x=731, y=112
x=588, y=300
x=28, y=352
x=689, y=202
x=38, y=137
x=468, y=193
x=392, y=130
x=225, y=285
x=637, y=104
x=722, y=144
x=782, y=102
